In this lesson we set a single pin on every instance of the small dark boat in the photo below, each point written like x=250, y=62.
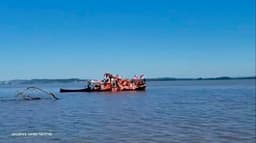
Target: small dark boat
x=142, y=88
x=77, y=90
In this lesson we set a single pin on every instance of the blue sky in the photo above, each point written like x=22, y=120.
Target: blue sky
x=84, y=39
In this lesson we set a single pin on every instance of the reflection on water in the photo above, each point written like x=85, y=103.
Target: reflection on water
x=173, y=111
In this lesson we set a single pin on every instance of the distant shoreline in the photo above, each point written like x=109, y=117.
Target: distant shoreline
x=200, y=78
x=70, y=80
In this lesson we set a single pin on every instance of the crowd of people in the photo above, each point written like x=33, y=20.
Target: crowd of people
x=117, y=83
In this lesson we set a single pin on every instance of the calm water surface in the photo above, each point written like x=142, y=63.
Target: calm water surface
x=169, y=111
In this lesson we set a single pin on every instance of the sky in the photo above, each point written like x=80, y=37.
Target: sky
x=160, y=38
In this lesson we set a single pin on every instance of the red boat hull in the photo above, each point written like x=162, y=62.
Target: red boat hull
x=90, y=90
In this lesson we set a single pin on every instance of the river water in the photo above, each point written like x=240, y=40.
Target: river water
x=168, y=111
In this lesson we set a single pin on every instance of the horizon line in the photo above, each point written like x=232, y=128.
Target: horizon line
x=149, y=78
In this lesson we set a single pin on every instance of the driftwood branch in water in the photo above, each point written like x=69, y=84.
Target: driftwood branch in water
x=26, y=95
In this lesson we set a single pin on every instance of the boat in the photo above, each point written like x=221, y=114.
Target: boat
x=112, y=83
x=93, y=90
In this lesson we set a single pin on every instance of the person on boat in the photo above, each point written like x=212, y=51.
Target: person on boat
x=97, y=87
x=126, y=84
x=133, y=86
x=107, y=77
x=140, y=80
x=119, y=85
x=106, y=86
x=114, y=83
x=136, y=77
x=118, y=77
x=142, y=77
